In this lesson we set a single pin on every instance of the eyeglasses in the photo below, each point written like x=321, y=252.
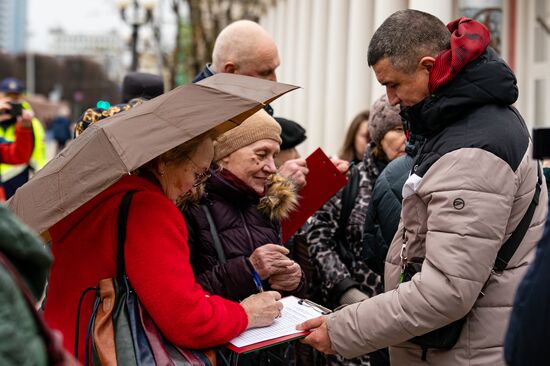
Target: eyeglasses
x=200, y=178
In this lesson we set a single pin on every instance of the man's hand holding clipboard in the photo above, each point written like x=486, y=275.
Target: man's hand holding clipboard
x=318, y=337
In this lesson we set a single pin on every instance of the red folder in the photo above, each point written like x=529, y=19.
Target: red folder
x=323, y=181
x=266, y=344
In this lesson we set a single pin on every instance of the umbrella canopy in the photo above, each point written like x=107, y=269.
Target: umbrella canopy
x=108, y=150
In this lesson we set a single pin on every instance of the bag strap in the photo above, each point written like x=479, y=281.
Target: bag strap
x=511, y=245
x=121, y=233
x=77, y=323
x=349, y=194
x=214, y=233
x=121, y=270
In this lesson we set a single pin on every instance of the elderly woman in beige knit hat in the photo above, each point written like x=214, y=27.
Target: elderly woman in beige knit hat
x=235, y=231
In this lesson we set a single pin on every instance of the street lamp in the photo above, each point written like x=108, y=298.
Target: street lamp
x=142, y=14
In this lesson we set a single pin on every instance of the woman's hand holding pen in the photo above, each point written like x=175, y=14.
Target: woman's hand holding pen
x=262, y=308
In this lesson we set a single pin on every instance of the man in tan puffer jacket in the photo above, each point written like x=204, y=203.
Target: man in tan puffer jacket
x=470, y=186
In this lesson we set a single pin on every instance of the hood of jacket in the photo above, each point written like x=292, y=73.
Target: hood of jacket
x=486, y=80
x=279, y=200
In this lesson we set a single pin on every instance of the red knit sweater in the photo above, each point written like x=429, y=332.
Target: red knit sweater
x=157, y=265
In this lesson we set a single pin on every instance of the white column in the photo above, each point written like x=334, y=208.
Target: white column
x=335, y=92
x=288, y=64
x=268, y=20
x=525, y=44
x=385, y=8
x=382, y=10
x=443, y=9
x=317, y=74
x=302, y=64
x=359, y=77
x=523, y=60
x=279, y=24
x=279, y=36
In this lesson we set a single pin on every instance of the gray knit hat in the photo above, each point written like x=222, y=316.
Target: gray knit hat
x=383, y=118
x=257, y=127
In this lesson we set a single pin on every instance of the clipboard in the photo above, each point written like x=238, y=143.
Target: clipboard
x=269, y=336
x=266, y=344
x=323, y=181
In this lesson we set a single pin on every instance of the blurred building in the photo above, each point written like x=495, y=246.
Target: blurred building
x=105, y=49
x=13, y=20
x=323, y=48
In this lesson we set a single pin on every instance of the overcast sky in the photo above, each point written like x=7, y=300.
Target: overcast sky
x=84, y=16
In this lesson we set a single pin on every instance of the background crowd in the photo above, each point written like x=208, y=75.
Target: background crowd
x=409, y=253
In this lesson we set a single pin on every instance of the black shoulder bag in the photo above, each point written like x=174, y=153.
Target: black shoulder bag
x=446, y=337
x=349, y=194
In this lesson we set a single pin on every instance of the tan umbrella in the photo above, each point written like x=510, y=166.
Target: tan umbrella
x=108, y=150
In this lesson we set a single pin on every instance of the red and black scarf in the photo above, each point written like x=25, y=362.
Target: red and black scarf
x=469, y=39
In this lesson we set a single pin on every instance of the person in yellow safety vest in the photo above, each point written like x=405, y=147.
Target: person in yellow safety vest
x=12, y=176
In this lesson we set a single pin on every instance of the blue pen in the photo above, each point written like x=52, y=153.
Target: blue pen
x=257, y=281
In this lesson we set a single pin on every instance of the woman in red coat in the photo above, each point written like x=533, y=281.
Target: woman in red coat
x=156, y=257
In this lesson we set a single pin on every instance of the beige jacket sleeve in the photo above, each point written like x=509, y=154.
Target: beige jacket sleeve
x=460, y=249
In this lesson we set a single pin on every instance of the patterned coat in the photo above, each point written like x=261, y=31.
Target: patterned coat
x=335, y=277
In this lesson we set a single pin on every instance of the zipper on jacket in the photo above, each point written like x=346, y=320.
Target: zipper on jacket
x=417, y=158
x=246, y=230
x=403, y=256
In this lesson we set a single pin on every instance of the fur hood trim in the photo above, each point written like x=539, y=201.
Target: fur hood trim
x=281, y=198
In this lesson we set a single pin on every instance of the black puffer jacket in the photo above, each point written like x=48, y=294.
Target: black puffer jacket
x=384, y=209
x=243, y=223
